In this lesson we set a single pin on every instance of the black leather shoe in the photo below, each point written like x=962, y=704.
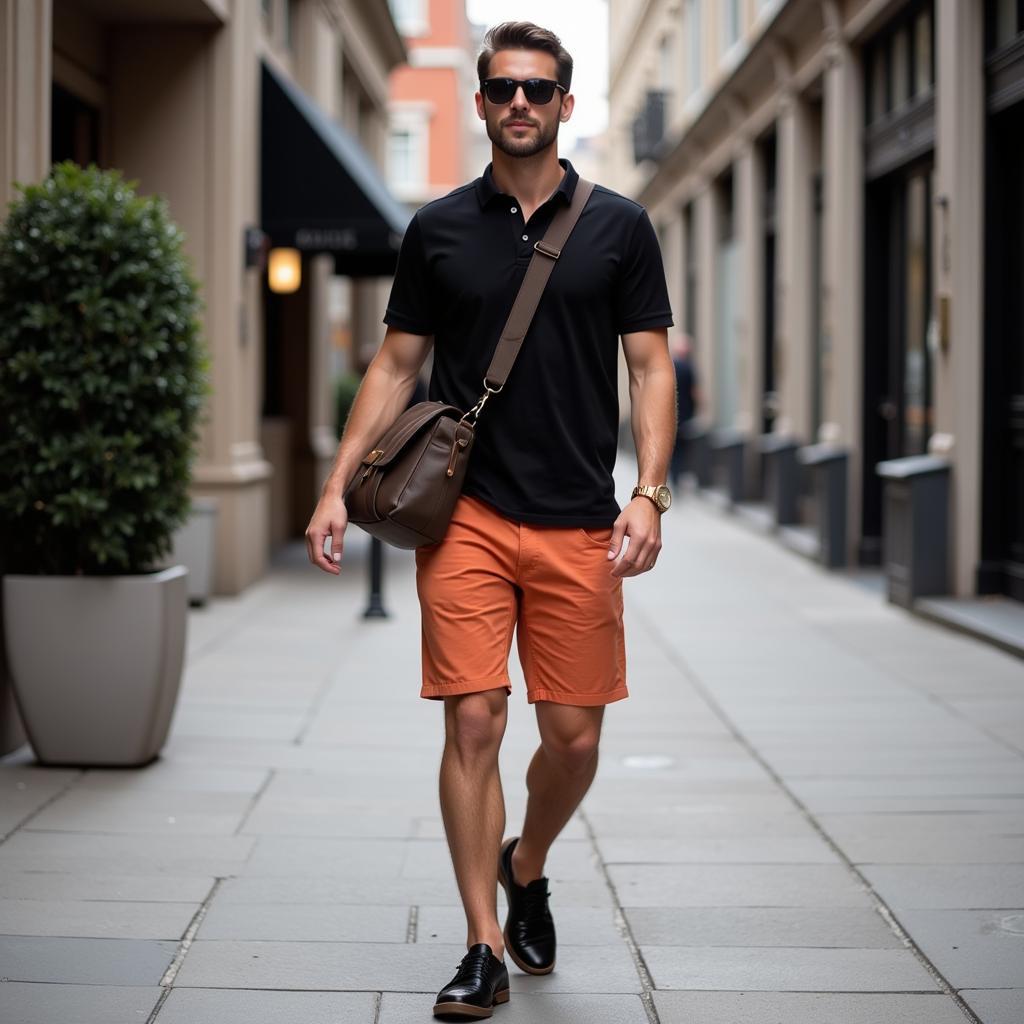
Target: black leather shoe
x=480, y=983
x=529, y=930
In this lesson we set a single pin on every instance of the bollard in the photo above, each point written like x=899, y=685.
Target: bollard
x=375, y=608
x=782, y=479
x=828, y=463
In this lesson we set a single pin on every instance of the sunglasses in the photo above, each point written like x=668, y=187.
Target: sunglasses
x=536, y=90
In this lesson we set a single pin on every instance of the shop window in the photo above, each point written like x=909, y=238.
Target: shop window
x=901, y=64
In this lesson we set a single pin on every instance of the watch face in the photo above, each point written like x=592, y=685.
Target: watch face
x=664, y=497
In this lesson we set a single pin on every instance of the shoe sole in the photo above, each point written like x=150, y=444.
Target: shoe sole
x=467, y=1010
x=504, y=933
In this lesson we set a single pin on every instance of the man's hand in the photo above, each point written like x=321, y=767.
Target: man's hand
x=329, y=520
x=640, y=521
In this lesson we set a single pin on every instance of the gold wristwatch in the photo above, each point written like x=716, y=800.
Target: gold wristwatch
x=658, y=493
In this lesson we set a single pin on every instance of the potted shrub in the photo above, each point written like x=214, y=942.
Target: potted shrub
x=102, y=381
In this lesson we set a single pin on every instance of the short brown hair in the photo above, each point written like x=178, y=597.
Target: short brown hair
x=524, y=35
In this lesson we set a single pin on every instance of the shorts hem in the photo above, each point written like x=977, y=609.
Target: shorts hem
x=579, y=699
x=438, y=691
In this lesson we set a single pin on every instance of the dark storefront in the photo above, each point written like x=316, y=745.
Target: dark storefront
x=1002, y=535
x=899, y=141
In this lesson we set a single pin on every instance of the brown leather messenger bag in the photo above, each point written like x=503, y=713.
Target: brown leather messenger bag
x=406, y=487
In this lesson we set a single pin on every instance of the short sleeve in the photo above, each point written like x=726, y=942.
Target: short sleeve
x=409, y=307
x=641, y=295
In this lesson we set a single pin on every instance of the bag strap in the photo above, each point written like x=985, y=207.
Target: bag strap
x=545, y=252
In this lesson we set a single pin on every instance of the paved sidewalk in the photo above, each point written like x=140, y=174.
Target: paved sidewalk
x=801, y=778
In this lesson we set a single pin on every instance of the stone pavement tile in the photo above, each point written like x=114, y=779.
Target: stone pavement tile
x=576, y=926
x=995, y=1006
x=810, y=849
x=778, y=969
x=237, y=722
x=851, y=827
x=404, y=892
x=27, y=1003
x=147, y=812
x=760, y=926
x=29, y=884
x=331, y=922
x=680, y=801
x=813, y=791
x=242, y=1006
x=524, y=1008
x=85, y=961
x=402, y=967
x=24, y=788
x=942, y=886
x=927, y=849
x=361, y=859
x=714, y=824
x=166, y=775
x=832, y=763
x=284, y=816
x=736, y=885
x=980, y=948
x=85, y=918
x=918, y=805
x=87, y=853
x=806, y=1008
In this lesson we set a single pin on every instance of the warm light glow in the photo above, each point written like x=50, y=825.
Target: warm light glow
x=284, y=270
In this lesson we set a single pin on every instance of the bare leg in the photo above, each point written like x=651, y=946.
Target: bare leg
x=473, y=806
x=559, y=776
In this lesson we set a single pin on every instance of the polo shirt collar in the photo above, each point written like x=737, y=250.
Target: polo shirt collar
x=486, y=190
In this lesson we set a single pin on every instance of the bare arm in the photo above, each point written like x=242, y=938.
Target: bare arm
x=382, y=396
x=652, y=395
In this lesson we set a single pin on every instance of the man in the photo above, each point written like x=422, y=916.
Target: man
x=537, y=540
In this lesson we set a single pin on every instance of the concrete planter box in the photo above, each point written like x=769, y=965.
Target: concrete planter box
x=192, y=545
x=96, y=663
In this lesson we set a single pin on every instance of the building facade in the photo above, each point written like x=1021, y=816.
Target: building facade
x=838, y=187
x=263, y=122
x=432, y=116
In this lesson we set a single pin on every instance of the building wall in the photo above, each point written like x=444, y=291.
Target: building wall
x=796, y=69
x=175, y=91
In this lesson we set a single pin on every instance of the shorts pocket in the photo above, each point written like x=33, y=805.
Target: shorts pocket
x=599, y=535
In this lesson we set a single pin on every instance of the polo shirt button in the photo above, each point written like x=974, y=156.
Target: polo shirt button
x=526, y=238
x=513, y=210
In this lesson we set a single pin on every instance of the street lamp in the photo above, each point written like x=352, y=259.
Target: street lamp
x=284, y=270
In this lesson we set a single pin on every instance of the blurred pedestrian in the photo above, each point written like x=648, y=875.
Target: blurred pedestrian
x=688, y=399
x=537, y=542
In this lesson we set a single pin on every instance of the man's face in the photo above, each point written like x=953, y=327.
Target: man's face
x=519, y=128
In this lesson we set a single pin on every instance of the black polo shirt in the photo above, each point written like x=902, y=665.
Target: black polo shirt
x=545, y=445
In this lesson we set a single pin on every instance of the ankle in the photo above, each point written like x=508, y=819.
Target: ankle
x=525, y=868
x=496, y=942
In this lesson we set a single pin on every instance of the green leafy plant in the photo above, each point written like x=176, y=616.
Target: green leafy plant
x=103, y=375
x=345, y=387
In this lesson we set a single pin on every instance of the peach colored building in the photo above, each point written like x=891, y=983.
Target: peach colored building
x=432, y=121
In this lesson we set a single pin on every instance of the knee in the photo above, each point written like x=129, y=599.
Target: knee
x=574, y=754
x=474, y=724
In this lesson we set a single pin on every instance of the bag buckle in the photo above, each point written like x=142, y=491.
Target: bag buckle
x=547, y=249
x=481, y=402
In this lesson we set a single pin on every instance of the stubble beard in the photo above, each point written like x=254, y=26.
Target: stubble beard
x=539, y=138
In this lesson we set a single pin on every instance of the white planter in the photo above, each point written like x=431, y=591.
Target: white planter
x=192, y=545
x=96, y=662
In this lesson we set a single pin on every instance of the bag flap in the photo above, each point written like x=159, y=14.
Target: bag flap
x=407, y=426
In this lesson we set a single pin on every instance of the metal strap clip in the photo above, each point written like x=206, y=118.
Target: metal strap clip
x=549, y=250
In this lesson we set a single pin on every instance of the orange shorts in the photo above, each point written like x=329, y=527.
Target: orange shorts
x=552, y=583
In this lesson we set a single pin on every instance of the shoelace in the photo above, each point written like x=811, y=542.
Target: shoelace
x=473, y=965
x=536, y=916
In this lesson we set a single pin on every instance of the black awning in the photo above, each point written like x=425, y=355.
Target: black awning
x=320, y=191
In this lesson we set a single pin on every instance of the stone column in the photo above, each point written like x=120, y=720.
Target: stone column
x=958, y=233
x=842, y=274
x=794, y=336
x=232, y=467
x=25, y=81
x=706, y=216
x=749, y=195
